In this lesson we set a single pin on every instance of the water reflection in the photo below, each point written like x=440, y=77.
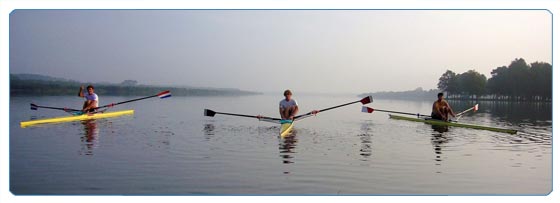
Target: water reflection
x=208, y=130
x=537, y=113
x=287, y=148
x=439, y=139
x=366, y=141
x=440, y=128
x=90, y=139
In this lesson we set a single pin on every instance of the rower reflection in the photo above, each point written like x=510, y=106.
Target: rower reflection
x=287, y=148
x=439, y=139
x=90, y=140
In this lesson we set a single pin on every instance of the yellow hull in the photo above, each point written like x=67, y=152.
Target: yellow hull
x=286, y=129
x=75, y=118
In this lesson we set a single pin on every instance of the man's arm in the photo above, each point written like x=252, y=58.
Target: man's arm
x=296, y=110
x=450, y=109
x=81, y=93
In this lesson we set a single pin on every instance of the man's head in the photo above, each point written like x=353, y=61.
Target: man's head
x=90, y=89
x=288, y=94
x=440, y=96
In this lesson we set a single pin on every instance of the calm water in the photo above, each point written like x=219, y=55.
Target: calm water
x=169, y=147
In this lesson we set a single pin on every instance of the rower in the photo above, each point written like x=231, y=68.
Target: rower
x=288, y=106
x=92, y=100
x=441, y=109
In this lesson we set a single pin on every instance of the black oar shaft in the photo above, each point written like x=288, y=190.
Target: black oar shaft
x=248, y=116
x=56, y=108
x=330, y=108
x=123, y=102
x=334, y=107
x=398, y=112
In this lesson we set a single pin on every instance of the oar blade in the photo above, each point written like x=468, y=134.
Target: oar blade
x=476, y=107
x=34, y=106
x=367, y=100
x=366, y=109
x=209, y=113
x=164, y=94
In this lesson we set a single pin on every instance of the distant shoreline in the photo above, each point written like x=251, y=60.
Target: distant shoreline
x=39, y=85
x=459, y=99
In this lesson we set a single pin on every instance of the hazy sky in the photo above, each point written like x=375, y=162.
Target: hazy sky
x=271, y=50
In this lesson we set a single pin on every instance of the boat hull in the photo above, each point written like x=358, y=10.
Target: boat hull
x=24, y=124
x=286, y=127
x=444, y=123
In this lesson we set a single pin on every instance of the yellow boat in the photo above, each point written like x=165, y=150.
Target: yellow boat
x=24, y=124
x=286, y=127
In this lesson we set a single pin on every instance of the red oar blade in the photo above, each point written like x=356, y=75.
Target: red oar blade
x=366, y=109
x=367, y=100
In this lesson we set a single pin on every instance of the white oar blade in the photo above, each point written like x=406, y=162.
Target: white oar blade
x=366, y=109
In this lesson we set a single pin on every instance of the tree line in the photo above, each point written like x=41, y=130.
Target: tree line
x=33, y=86
x=519, y=81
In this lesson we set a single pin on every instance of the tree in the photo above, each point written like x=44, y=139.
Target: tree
x=541, y=77
x=496, y=84
x=471, y=83
x=129, y=83
x=448, y=82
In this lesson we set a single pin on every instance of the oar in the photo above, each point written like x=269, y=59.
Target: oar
x=210, y=113
x=365, y=100
x=459, y=115
x=366, y=109
x=475, y=108
x=161, y=95
x=36, y=107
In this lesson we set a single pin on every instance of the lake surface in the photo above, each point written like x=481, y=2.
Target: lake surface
x=169, y=148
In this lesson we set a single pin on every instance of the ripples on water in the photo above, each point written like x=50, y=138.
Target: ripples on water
x=173, y=149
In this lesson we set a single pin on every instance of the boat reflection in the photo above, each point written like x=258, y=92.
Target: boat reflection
x=90, y=140
x=287, y=147
x=440, y=128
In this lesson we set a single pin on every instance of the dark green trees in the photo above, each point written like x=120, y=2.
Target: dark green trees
x=518, y=81
x=467, y=84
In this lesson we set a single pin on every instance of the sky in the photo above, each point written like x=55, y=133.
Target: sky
x=314, y=51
